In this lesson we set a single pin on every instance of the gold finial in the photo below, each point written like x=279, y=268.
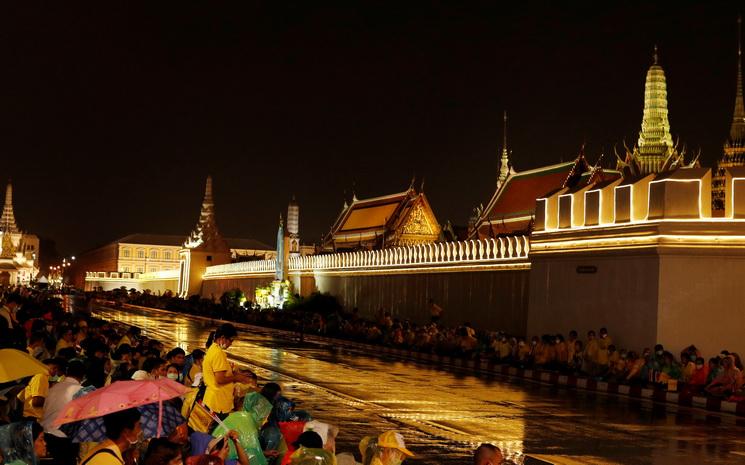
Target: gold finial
x=655, y=54
x=739, y=36
x=504, y=132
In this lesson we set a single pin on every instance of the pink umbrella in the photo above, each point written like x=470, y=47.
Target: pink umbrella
x=121, y=395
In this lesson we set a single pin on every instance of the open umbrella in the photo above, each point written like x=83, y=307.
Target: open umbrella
x=122, y=395
x=16, y=364
x=94, y=430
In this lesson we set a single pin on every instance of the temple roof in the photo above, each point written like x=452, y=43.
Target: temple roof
x=737, y=130
x=517, y=196
x=377, y=219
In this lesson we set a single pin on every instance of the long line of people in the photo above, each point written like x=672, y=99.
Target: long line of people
x=595, y=356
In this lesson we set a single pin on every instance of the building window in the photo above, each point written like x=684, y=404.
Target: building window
x=125, y=253
x=153, y=269
x=141, y=253
x=125, y=269
x=167, y=255
x=140, y=269
x=101, y=274
x=154, y=254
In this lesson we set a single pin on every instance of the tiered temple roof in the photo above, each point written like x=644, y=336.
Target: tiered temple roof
x=206, y=235
x=655, y=150
x=734, y=147
x=403, y=218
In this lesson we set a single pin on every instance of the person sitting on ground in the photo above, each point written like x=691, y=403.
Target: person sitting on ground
x=161, y=451
x=67, y=341
x=177, y=357
x=197, y=357
x=727, y=382
x=487, y=454
x=697, y=382
x=715, y=369
x=387, y=449
x=123, y=430
x=591, y=354
x=152, y=368
x=172, y=372
x=687, y=366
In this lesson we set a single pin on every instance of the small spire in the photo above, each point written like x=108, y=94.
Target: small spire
x=504, y=132
x=737, y=130
x=655, y=54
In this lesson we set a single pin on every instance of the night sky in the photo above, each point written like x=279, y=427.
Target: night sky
x=111, y=118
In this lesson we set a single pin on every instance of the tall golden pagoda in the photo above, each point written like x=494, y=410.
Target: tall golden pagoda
x=654, y=151
x=734, y=147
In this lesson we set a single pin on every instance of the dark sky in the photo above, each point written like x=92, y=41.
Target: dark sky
x=112, y=116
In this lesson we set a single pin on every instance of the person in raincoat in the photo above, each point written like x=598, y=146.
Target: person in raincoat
x=387, y=449
x=312, y=456
x=247, y=423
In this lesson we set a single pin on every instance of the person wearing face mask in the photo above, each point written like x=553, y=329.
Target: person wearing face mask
x=172, y=372
x=218, y=374
x=123, y=430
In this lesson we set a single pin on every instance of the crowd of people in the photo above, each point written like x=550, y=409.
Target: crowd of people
x=595, y=356
x=224, y=414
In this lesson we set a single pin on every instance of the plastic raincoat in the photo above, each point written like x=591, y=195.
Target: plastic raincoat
x=308, y=456
x=247, y=423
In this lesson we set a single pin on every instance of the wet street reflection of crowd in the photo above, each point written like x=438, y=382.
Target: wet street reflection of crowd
x=444, y=415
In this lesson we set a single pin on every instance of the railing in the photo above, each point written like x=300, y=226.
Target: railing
x=163, y=274
x=128, y=275
x=433, y=254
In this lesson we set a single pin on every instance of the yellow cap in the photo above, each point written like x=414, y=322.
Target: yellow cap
x=394, y=440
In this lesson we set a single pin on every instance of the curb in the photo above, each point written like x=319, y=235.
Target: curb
x=483, y=367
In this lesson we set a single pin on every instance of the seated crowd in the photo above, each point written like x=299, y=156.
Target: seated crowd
x=222, y=417
x=596, y=356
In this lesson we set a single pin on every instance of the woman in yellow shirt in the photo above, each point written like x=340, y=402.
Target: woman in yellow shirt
x=218, y=374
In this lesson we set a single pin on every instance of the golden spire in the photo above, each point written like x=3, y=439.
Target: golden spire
x=504, y=163
x=8, y=220
x=737, y=130
x=655, y=143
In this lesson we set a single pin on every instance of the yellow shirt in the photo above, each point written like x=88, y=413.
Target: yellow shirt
x=37, y=387
x=124, y=340
x=603, y=344
x=105, y=458
x=218, y=397
x=193, y=372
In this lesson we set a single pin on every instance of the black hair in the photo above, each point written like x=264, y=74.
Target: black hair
x=174, y=352
x=152, y=363
x=197, y=354
x=67, y=353
x=309, y=439
x=270, y=391
x=117, y=422
x=160, y=451
x=226, y=330
x=36, y=337
x=75, y=369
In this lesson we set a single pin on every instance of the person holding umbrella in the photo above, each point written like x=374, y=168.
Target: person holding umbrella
x=123, y=431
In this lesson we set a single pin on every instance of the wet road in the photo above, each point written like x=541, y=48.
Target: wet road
x=444, y=415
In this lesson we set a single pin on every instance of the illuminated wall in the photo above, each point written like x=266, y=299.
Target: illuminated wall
x=660, y=269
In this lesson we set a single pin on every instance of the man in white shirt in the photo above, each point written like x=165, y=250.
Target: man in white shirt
x=59, y=445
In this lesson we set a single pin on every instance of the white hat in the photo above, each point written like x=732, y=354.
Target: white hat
x=140, y=375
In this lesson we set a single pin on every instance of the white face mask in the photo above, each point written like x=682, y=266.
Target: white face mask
x=172, y=376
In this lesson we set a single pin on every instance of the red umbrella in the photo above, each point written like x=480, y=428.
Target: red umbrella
x=121, y=395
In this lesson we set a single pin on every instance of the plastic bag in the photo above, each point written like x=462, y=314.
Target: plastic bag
x=17, y=443
x=307, y=456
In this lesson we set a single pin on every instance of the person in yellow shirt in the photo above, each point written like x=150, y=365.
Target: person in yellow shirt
x=602, y=359
x=67, y=340
x=36, y=392
x=123, y=430
x=591, y=353
x=218, y=373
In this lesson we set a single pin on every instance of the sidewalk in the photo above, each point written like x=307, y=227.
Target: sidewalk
x=484, y=368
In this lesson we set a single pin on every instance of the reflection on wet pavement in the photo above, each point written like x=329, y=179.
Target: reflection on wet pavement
x=445, y=415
